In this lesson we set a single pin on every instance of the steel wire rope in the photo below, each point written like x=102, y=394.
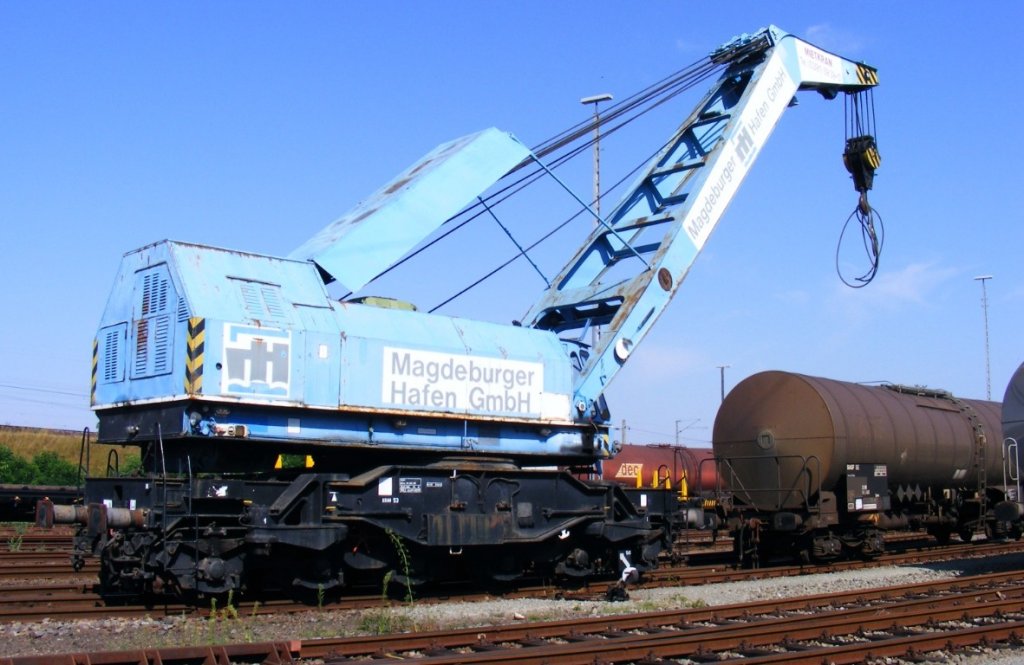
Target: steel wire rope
x=872, y=231
x=860, y=121
x=29, y=400
x=543, y=238
x=655, y=95
x=536, y=175
x=687, y=76
x=546, y=148
x=43, y=390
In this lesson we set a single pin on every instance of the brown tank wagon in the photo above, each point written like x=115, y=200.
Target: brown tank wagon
x=818, y=466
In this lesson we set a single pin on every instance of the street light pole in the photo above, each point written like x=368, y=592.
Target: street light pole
x=721, y=371
x=596, y=100
x=984, y=308
x=595, y=334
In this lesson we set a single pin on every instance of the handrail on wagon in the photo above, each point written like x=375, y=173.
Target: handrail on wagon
x=782, y=494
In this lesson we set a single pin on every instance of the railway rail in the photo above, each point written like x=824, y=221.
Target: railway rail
x=69, y=601
x=22, y=537
x=904, y=621
x=895, y=621
x=38, y=552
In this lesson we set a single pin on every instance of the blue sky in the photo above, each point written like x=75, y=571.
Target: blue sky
x=252, y=125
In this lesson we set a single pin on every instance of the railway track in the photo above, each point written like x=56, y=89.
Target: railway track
x=69, y=601
x=23, y=565
x=903, y=621
x=843, y=627
x=908, y=552
x=30, y=539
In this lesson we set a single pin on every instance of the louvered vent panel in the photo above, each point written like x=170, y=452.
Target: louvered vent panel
x=273, y=302
x=161, y=295
x=155, y=294
x=141, y=347
x=147, y=294
x=157, y=306
x=252, y=300
x=263, y=302
x=161, y=344
x=112, y=356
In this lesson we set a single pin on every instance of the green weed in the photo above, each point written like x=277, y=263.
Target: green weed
x=404, y=565
x=15, y=542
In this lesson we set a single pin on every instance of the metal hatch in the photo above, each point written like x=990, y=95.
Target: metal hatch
x=381, y=229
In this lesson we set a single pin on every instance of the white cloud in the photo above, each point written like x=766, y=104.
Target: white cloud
x=793, y=297
x=687, y=46
x=832, y=39
x=910, y=284
x=896, y=287
x=655, y=361
x=892, y=290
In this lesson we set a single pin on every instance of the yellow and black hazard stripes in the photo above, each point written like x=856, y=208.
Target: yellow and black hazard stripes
x=194, y=360
x=872, y=156
x=866, y=75
x=95, y=369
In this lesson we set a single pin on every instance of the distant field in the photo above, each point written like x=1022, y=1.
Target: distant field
x=27, y=442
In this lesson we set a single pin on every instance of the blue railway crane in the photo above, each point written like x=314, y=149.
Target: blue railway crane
x=433, y=432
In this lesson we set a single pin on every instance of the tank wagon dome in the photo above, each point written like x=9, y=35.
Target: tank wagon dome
x=1013, y=407
x=779, y=425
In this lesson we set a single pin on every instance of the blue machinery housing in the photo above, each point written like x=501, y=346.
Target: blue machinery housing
x=253, y=347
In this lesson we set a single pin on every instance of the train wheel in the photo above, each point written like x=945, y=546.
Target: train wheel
x=746, y=545
x=940, y=534
x=966, y=534
x=577, y=565
x=799, y=549
x=401, y=587
x=825, y=547
x=505, y=567
x=121, y=569
x=873, y=544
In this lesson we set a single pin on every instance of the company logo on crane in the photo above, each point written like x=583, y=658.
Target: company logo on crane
x=256, y=360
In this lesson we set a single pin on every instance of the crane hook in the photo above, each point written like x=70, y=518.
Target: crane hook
x=861, y=159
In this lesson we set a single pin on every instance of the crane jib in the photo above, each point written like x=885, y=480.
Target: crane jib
x=686, y=187
x=759, y=116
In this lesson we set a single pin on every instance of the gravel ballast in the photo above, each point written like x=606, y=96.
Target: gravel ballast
x=53, y=637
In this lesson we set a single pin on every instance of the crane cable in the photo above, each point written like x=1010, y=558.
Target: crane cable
x=569, y=142
x=533, y=177
x=861, y=159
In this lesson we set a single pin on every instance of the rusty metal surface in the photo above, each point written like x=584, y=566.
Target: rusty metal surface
x=923, y=439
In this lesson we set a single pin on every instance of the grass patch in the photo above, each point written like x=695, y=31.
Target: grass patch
x=28, y=443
